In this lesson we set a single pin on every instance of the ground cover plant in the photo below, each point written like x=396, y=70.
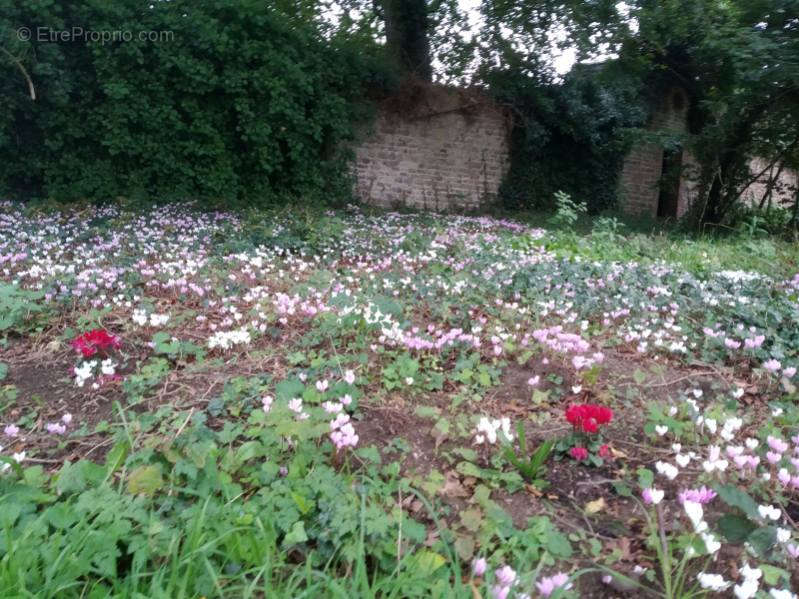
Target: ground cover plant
x=371, y=404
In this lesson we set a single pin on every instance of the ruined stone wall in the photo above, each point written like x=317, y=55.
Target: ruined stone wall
x=639, y=181
x=446, y=151
x=783, y=191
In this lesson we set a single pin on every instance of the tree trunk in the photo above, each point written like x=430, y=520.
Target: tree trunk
x=407, y=25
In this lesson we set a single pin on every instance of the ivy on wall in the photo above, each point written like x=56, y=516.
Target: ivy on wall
x=223, y=101
x=570, y=136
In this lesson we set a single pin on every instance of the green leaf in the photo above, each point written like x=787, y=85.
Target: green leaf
x=464, y=546
x=646, y=478
x=425, y=562
x=296, y=534
x=772, y=574
x=735, y=528
x=116, y=457
x=735, y=497
x=763, y=540
x=3, y=370
x=469, y=469
x=145, y=480
x=558, y=544
x=472, y=519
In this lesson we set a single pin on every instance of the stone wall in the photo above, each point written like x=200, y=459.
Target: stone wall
x=444, y=149
x=642, y=172
x=782, y=191
x=639, y=183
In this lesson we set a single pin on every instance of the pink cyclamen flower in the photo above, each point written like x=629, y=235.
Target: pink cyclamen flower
x=789, y=372
x=505, y=576
x=321, y=386
x=11, y=430
x=479, y=566
x=777, y=444
x=784, y=476
x=534, y=380
x=54, y=428
x=702, y=495
x=652, y=496
x=773, y=457
x=66, y=418
x=500, y=592
x=349, y=377
x=772, y=365
x=546, y=586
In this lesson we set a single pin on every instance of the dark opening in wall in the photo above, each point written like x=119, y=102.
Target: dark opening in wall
x=668, y=200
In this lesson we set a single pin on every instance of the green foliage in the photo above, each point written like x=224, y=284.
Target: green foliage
x=568, y=211
x=232, y=102
x=17, y=307
x=529, y=463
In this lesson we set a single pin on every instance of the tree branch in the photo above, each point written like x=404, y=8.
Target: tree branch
x=21, y=67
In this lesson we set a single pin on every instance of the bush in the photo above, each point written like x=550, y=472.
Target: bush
x=570, y=137
x=231, y=102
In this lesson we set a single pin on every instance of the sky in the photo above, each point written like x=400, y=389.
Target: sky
x=562, y=60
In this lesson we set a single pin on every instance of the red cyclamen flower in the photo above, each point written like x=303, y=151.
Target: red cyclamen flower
x=91, y=342
x=579, y=453
x=588, y=417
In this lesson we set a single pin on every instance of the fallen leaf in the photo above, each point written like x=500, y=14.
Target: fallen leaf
x=593, y=507
x=533, y=490
x=453, y=486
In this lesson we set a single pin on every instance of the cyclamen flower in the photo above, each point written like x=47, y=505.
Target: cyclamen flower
x=332, y=407
x=769, y=512
x=701, y=495
x=479, y=566
x=534, y=380
x=17, y=457
x=712, y=582
x=777, y=444
x=588, y=417
x=789, y=372
x=11, y=430
x=349, y=377
x=91, y=342
x=579, y=453
x=344, y=437
x=321, y=386
x=55, y=428
x=652, y=496
x=487, y=430
x=546, y=586
x=696, y=515
x=772, y=365
x=668, y=470
x=505, y=576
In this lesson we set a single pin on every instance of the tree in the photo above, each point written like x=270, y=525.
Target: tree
x=407, y=30
x=737, y=60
